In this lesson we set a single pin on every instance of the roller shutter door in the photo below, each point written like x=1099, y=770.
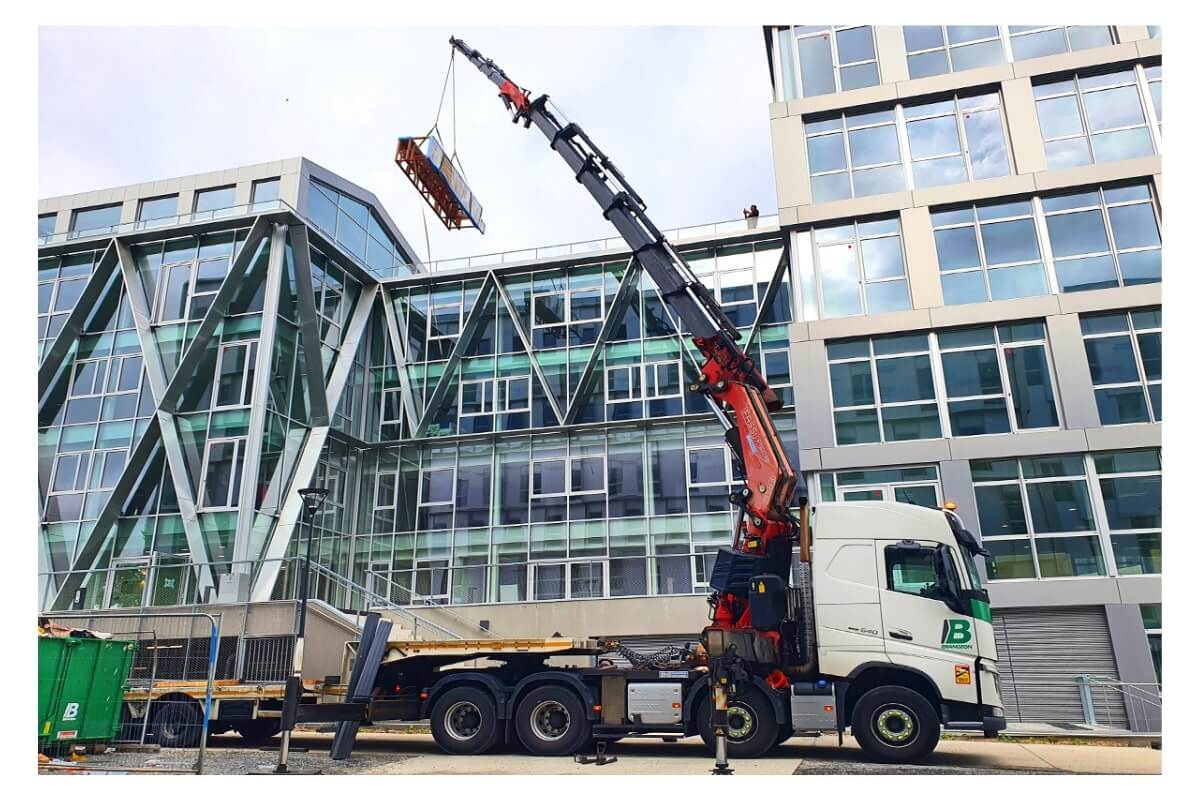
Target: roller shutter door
x=1042, y=652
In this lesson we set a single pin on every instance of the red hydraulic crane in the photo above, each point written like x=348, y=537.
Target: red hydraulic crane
x=755, y=628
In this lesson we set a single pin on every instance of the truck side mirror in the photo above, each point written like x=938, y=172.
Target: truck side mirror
x=947, y=574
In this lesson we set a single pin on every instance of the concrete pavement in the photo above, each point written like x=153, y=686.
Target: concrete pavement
x=797, y=756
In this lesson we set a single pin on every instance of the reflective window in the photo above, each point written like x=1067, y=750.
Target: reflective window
x=937, y=49
x=46, y=224
x=860, y=267
x=158, y=208
x=234, y=385
x=883, y=390
x=222, y=473
x=208, y=202
x=264, y=193
x=989, y=252
x=1124, y=351
x=956, y=140
x=1034, y=41
x=101, y=219
x=1091, y=119
x=193, y=270
x=854, y=155
x=349, y=223
x=1154, y=87
x=997, y=379
x=916, y=485
x=828, y=58
x=1104, y=238
x=1062, y=507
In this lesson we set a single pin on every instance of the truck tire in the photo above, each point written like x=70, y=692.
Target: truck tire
x=895, y=724
x=752, y=726
x=551, y=721
x=464, y=721
x=177, y=722
x=257, y=731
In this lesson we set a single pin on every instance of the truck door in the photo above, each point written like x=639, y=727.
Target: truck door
x=922, y=629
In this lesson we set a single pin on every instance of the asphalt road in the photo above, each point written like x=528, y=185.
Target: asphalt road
x=383, y=753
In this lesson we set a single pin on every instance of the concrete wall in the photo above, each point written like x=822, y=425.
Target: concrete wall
x=681, y=614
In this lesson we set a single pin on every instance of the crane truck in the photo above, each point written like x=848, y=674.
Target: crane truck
x=888, y=632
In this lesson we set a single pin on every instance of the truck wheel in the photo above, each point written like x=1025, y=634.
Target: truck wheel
x=551, y=721
x=895, y=724
x=178, y=723
x=752, y=727
x=463, y=721
x=257, y=731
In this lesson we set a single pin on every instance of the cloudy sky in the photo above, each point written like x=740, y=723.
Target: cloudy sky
x=682, y=111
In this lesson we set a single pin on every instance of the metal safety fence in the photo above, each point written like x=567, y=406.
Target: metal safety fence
x=1121, y=705
x=168, y=699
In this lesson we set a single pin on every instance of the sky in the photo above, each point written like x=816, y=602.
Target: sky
x=682, y=111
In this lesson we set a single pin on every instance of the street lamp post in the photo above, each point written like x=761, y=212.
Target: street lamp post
x=313, y=498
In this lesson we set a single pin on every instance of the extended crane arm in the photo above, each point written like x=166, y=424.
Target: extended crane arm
x=728, y=375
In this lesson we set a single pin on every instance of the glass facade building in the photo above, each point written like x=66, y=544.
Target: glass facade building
x=960, y=300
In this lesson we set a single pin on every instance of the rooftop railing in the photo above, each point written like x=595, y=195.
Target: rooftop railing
x=549, y=252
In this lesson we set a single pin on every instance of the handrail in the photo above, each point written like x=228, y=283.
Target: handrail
x=1141, y=703
x=377, y=600
x=425, y=601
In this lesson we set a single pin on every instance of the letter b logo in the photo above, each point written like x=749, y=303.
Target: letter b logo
x=956, y=633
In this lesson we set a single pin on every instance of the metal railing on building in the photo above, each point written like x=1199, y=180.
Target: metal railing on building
x=1111, y=703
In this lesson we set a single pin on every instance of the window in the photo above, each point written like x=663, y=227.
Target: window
x=208, y=202
x=103, y=389
x=101, y=219
x=264, y=193
x=1152, y=622
x=476, y=398
x=234, y=386
x=989, y=252
x=1103, y=238
x=1131, y=491
x=70, y=472
x=937, y=49
x=1124, y=352
x=192, y=274
x=918, y=486
x=1033, y=41
x=708, y=479
x=912, y=570
x=1090, y=119
x=664, y=380
x=1045, y=505
x=158, y=208
x=350, y=223
x=854, y=155
x=956, y=140
x=222, y=473
x=830, y=58
x=948, y=141
x=46, y=223
x=1154, y=88
x=883, y=390
x=861, y=268
x=623, y=383
x=568, y=487
x=997, y=379
x=435, y=499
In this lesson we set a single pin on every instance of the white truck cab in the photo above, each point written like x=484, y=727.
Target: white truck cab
x=903, y=625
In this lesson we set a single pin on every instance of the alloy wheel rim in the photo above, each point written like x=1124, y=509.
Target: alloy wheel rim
x=550, y=720
x=463, y=720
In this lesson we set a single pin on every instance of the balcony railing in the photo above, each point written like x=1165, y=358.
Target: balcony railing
x=138, y=226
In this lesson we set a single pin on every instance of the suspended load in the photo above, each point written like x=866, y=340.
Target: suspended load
x=440, y=182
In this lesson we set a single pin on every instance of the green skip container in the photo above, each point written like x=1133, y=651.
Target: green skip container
x=81, y=688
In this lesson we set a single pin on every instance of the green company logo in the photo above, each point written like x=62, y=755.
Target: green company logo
x=956, y=634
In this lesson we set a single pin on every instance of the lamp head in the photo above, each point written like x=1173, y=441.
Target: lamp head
x=313, y=497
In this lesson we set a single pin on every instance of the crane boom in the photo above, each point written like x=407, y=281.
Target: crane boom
x=763, y=536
